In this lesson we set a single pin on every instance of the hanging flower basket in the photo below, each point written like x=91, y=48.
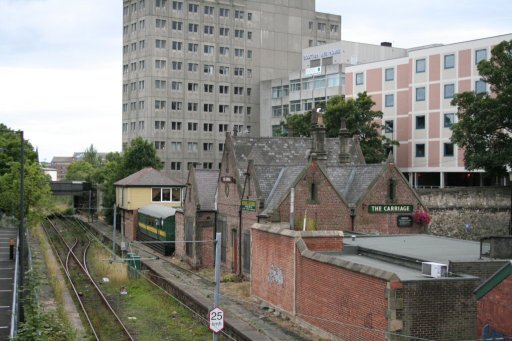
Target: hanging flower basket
x=421, y=217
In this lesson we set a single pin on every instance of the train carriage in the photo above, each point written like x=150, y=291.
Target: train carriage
x=157, y=223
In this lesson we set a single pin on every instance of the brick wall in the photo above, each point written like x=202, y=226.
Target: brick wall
x=347, y=304
x=480, y=269
x=378, y=195
x=272, y=268
x=327, y=212
x=179, y=250
x=440, y=309
x=131, y=219
x=495, y=310
x=324, y=244
x=207, y=250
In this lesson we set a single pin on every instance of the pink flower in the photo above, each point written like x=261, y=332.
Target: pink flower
x=421, y=217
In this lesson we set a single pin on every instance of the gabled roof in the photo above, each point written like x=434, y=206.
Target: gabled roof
x=353, y=181
x=206, y=181
x=280, y=186
x=494, y=280
x=148, y=177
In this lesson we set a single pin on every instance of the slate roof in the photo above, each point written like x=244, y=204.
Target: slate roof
x=148, y=177
x=278, y=162
x=206, y=181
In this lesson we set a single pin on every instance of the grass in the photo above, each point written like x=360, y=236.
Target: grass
x=146, y=309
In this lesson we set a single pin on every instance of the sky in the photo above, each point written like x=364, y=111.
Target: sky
x=61, y=60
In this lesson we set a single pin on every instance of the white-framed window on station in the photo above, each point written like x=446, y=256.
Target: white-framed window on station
x=166, y=194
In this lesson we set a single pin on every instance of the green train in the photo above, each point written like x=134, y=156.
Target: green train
x=158, y=223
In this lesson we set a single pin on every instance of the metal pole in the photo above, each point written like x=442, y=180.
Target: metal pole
x=216, y=292
x=22, y=218
x=114, y=234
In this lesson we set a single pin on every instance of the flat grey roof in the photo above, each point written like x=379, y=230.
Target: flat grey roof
x=158, y=211
x=425, y=248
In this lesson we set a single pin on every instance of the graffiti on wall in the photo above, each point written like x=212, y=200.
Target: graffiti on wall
x=488, y=333
x=275, y=275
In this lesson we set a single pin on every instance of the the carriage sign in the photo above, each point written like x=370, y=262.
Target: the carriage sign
x=216, y=320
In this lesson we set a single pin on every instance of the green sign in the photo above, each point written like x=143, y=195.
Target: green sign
x=248, y=205
x=390, y=208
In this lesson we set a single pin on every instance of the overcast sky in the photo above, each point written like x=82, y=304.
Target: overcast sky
x=60, y=60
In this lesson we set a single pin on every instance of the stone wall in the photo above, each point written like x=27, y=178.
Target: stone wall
x=468, y=212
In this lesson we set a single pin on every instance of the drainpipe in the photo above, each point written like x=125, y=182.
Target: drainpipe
x=239, y=265
x=292, y=212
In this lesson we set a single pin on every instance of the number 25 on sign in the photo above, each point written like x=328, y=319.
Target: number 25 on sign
x=216, y=320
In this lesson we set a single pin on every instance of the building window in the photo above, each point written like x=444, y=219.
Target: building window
x=159, y=145
x=207, y=147
x=223, y=108
x=313, y=193
x=249, y=16
x=224, y=51
x=420, y=122
x=193, y=87
x=193, y=8
x=172, y=194
x=176, y=86
x=208, y=107
x=449, y=90
x=277, y=111
x=177, y=45
x=176, y=146
x=239, y=34
x=480, y=87
x=321, y=27
x=161, y=3
x=238, y=90
x=389, y=126
x=480, y=55
x=334, y=28
x=359, y=78
x=192, y=106
x=177, y=5
x=175, y=126
x=160, y=44
x=208, y=127
x=295, y=106
x=239, y=14
x=159, y=125
x=208, y=49
x=420, y=94
x=224, y=12
x=160, y=84
x=295, y=85
x=160, y=23
x=208, y=10
x=420, y=150
x=208, y=29
x=192, y=67
x=176, y=66
x=449, y=61
x=389, y=100
x=159, y=105
x=193, y=47
x=389, y=74
x=224, y=31
x=176, y=166
x=448, y=149
x=223, y=128
x=208, y=88
x=239, y=71
x=421, y=65
x=223, y=89
x=175, y=105
x=449, y=120
x=192, y=147
x=192, y=126
x=239, y=53
x=193, y=28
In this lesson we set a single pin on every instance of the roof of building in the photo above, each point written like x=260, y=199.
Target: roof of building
x=494, y=280
x=391, y=254
x=62, y=159
x=206, y=180
x=279, y=162
x=148, y=177
x=158, y=211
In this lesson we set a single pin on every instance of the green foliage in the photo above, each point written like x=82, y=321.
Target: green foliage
x=37, y=192
x=140, y=154
x=92, y=157
x=39, y=325
x=484, y=129
x=80, y=170
x=299, y=124
x=361, y=121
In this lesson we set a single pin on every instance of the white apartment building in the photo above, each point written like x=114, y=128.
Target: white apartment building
x=192, y=69
x=415, y=92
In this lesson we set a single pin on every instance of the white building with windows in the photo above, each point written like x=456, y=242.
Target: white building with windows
x=415, y=92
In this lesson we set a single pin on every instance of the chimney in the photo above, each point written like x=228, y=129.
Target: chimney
x=344, y=156
x=318, y=135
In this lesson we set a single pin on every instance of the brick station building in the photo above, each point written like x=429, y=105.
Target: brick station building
x=312, y=183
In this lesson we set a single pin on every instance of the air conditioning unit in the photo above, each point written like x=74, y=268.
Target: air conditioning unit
x=435, y=270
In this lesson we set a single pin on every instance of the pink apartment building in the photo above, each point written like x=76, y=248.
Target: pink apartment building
x=414, y=93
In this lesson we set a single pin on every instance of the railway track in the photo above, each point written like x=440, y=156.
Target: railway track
x=102, y=320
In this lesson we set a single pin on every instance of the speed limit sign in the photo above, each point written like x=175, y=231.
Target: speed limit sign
x=216, y=320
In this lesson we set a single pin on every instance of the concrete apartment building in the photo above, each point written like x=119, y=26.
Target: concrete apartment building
x=191, y=69
x=320, y=77
x=415, y=92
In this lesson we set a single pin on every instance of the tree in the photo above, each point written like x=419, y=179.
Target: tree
x=361, y=121
x=484, y=128
x=91, y=155
x=80, y=170
x=10, y=147
x=140, y=154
